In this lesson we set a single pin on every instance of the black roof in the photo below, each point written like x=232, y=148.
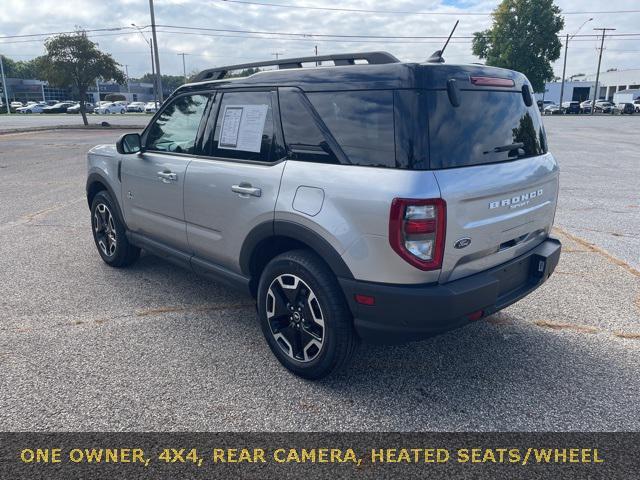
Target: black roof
x=389, y=75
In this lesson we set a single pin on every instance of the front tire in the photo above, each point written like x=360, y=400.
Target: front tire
x=109, y=233
x=304, y=316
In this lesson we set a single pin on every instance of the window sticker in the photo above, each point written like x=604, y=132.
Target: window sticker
x=242, y=127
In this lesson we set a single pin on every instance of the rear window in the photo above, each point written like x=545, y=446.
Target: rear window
x=487, y=127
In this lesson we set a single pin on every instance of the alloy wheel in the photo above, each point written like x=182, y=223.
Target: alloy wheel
x=105, y=230
x=295, y=318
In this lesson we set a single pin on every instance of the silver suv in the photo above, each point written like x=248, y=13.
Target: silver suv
x=371, y=199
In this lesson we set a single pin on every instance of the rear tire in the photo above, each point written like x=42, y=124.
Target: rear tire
x=304, y=315
x=109, y=232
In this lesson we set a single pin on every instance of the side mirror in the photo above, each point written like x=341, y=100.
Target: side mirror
x=129, y=143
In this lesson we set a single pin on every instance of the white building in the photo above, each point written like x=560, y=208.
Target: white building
x=608, y=84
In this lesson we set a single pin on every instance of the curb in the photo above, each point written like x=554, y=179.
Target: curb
x=71, y=127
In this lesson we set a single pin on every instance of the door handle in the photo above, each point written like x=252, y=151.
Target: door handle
x=245, y=189
x=167, y=177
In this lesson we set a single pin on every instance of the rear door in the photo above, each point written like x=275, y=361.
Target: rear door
x=235, y=186
x=499, y=183
x=153, y=181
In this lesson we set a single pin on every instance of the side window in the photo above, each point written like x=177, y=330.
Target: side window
x=176, y=128
x=361, y=122
x=244, y=127
x=302, y=135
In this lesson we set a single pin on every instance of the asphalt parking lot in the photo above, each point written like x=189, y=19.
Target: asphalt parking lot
x=89, y=348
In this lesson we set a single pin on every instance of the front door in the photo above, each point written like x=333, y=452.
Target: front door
x=153, y=181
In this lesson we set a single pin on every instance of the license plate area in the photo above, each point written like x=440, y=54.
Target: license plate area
x=516, y=276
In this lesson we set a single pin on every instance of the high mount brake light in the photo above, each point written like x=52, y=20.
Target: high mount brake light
x=492, y=82
x=417, y=231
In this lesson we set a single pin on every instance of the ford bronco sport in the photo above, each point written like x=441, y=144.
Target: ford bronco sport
x=370, y=199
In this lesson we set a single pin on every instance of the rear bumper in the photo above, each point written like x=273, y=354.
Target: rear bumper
x=411, y=312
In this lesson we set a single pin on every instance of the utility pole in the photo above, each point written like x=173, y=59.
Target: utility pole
x=155, y=49
x=595, y=90
x=4, y=86
x=153, y=71
x=316, y=55
x=126, y=69
x=564, y=67
x=184, y=67
x=277, y=54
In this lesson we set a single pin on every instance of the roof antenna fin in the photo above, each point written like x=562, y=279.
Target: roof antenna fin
x=436, y=57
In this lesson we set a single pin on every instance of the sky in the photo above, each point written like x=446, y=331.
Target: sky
x=208, y=48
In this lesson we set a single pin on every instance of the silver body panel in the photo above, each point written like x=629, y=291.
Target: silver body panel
x=348, y=206
x=218, y=220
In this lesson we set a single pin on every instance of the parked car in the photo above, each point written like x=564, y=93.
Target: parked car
x=14, y=106
x=636, y=105
x=570, y=107
x=542, y=104
x=585, y=107
x=151, y=107
x=624, y=108
x=57, y=108
x=341, y=206
x=52, y=102
x=603, y=106
x=552, y=109
x=109, y=108
x=88, y=107
x=136, y=107
x=32, y=108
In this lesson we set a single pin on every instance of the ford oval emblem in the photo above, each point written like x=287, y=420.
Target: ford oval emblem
x=463, y=242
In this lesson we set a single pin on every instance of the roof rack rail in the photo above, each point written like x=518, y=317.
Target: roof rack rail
x=372, y=58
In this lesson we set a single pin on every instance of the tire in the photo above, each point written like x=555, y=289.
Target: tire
x=318, y=338
x=122, y=112
x=109, y=232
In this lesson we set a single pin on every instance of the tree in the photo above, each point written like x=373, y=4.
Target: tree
x=169, y=82
x=74, y=60
x=523, y=37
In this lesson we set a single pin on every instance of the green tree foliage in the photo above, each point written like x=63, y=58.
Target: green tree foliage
x=169, y=82
x=523, y=37
x=75, y=61
x=22, y=68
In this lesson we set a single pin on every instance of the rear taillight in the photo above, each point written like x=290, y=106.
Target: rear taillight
x=416, y=231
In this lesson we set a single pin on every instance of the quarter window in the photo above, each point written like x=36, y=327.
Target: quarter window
x=176, y=128
x=361, y=122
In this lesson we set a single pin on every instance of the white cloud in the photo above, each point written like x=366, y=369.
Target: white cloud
x=206, y=51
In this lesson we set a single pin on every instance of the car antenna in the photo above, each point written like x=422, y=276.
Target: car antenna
x=436, y=57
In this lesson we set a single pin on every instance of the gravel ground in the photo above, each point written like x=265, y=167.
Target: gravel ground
x=154, y=347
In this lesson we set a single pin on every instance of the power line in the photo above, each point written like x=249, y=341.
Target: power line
x=402, y=12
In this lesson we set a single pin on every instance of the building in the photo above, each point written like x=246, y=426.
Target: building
x=25, y=90
x=608, y=84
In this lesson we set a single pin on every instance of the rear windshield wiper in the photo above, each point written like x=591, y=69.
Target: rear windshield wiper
x=506, y=148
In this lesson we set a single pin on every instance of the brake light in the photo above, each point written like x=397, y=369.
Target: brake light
x=417, y=231
x=492, y=82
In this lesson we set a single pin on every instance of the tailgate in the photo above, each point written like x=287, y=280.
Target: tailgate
x=503, y=209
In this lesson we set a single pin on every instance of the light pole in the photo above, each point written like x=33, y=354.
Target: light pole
x=184, y=67
x=564, y=67
x=155, y=49
x=595, y=90
x=153, y=71
x=4, y=86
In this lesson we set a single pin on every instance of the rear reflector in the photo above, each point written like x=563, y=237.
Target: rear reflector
x=492, y=82
x=365, y=299
x=477, y=315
